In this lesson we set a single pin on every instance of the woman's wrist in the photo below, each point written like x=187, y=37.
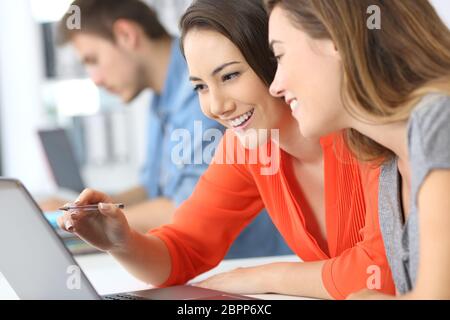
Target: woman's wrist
x=268, y=277
x=126, y=245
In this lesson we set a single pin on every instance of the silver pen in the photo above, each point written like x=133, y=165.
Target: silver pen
x=89, y=207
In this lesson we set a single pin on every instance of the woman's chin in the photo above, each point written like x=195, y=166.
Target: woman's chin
x=311, y=133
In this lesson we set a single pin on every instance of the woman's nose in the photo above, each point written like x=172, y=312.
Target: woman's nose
x=276, y=88
x=220, y=106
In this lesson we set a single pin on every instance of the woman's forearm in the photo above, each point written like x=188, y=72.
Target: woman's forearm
x=295, y=278
x=150, y=214
x=145, y=257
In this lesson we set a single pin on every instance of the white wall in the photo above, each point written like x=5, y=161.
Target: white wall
x=169, y=12
x=21, y=104
x=443, y=8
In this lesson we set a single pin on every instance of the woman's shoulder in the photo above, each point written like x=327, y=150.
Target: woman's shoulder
x=431, y=116
x=431, y=107
x=429, y=132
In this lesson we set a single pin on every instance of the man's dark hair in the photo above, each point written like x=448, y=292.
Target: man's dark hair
x=99, y=16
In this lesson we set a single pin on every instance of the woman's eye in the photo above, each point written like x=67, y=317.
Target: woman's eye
x=230, y=76
x=278, y=57
x=199, y=87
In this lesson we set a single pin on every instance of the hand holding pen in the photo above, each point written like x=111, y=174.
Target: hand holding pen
x=97, y=220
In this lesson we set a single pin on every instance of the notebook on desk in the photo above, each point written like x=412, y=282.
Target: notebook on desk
x=37, y=264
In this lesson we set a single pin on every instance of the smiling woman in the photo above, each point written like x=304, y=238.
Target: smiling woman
x=241, y=68
x=315, y=198
x=230, y=91
x=389, y=89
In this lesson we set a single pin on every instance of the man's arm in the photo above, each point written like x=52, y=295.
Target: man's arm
x=131, y=196
x=142, y=213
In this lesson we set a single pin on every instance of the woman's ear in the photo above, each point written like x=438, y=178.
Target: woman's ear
x=336, y=52
x=332, y=49
x=327, y=47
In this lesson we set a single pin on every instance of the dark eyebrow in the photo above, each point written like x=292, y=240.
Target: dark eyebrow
x=216, y=70
x=220, y=68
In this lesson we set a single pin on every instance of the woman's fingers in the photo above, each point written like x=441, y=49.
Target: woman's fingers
x=90, y=196
x=66, y=223
x=109, y=210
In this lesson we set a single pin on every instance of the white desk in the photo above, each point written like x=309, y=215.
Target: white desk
x=107, y=276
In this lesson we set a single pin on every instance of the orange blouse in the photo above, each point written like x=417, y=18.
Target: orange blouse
x=231, y=193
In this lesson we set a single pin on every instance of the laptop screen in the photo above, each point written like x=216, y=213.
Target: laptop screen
x=33, y=259
x=61, y=158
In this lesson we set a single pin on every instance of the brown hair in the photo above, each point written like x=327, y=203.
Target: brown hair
x=244, y=23
x=386, y=71
x=99, y=16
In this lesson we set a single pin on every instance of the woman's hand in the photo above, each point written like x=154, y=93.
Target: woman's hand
x=106, y=229
x=239, y=281
x=288, y=278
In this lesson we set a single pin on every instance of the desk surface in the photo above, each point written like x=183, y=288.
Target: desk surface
x=102, y=268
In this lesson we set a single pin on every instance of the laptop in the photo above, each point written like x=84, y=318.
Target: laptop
x=37, y=265
x=61, y=158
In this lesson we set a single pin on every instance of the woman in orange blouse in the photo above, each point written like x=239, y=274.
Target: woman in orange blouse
x=312, y=189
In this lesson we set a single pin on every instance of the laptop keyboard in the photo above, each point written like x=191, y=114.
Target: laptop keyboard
x=122, y=296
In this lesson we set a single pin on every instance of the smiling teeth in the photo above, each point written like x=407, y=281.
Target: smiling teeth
x=240, y=120
x=294, y=105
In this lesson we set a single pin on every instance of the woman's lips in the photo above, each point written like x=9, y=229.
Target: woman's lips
x=241, y=122
x=294, y=104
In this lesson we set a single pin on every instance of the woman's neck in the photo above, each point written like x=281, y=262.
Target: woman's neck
x=156, y=61
x=393, y=136
x=300, y=148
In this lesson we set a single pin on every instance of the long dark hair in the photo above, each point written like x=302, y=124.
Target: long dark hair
x=244, y=23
